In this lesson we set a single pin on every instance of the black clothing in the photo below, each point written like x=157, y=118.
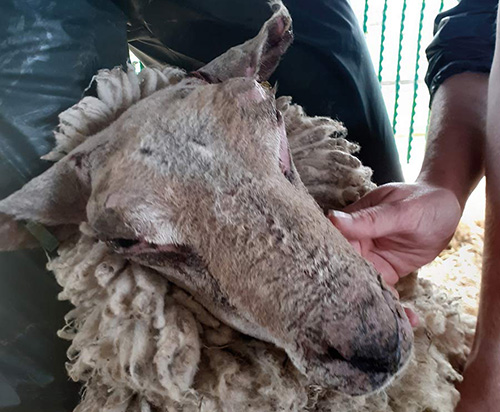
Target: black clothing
x=327, y=69
x=464, y=40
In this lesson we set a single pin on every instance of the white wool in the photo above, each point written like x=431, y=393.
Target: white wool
x=117, y=90
x=166, y=354
x=141, y=344
x=324, y=158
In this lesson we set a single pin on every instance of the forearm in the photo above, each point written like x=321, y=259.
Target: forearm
x=487, y=339
x=488, y=328
x=454, y=155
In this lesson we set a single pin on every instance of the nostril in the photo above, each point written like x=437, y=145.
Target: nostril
x=383, y=365
x=380, y=358
x=388, y=364
x=204, y=76
x=335, y=354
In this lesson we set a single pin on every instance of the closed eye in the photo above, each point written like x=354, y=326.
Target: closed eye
x=121, y=243
x=203, y=76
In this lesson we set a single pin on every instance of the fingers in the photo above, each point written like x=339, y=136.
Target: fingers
x=410, y=313
x=372, y=222
x=371, y=199
x=377, y=214
x=394, y=291
x=412, y=316
x=391, y=192
x=356, y=244
x=384, y=267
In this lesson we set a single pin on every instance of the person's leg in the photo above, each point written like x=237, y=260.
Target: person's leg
x=327, y=69
x=49, y=52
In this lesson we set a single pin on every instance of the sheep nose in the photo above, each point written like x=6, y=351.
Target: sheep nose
x=372, y=358
x=382, y=357
x=387, y=364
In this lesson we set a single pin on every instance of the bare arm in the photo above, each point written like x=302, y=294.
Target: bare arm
x=455, y=142
x=401, y=227
x=481, y=387
x=489, y=313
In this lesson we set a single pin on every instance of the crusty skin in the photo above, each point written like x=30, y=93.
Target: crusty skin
x=189, y=180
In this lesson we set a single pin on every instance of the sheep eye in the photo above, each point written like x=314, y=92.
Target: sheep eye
x=122, y=243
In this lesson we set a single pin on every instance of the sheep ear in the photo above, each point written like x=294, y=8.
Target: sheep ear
x=258, y=57
x=56, y=199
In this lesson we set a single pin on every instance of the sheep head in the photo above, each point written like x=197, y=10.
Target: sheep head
x=196, y=181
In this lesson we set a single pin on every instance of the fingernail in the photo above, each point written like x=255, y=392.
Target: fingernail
x=337, y=214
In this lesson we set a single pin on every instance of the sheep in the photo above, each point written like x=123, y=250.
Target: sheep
x=147, y=337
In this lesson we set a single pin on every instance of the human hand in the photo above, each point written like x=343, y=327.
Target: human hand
x=400, y=227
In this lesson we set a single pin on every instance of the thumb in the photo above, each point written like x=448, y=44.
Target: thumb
x=370, y=223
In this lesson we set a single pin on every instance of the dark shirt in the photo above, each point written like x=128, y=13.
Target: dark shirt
x=327, y=70
x=464, y=41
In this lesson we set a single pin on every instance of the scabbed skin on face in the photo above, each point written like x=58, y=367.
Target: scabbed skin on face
x=198, y=175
